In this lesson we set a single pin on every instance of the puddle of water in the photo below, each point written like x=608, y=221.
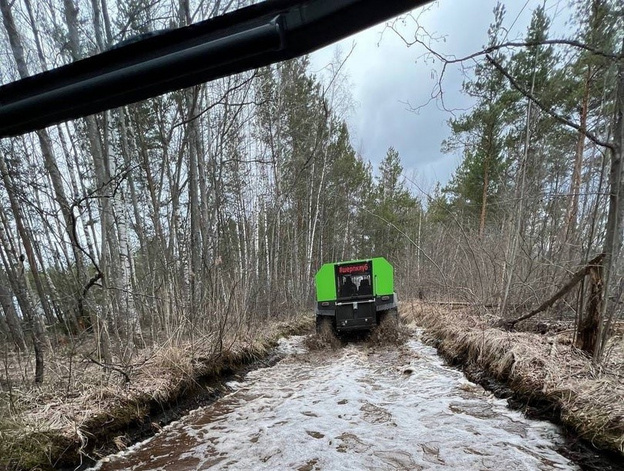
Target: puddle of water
x=354, y=408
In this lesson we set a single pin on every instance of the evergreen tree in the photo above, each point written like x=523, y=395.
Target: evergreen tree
x=392, y=213
x=480, y=135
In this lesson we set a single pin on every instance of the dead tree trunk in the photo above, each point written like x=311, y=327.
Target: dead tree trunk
x=587, y=336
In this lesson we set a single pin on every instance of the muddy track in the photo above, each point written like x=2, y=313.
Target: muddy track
x=203, y=393
x=356, y=407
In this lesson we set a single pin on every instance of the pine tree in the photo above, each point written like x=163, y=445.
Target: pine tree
x=395, y=212
x=480, y=136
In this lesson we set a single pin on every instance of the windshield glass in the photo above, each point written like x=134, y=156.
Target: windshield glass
x=354, y=280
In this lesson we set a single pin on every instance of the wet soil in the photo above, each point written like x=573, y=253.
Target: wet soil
x=205, y=391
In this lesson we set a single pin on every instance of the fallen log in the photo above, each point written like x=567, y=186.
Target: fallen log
x=576, y=278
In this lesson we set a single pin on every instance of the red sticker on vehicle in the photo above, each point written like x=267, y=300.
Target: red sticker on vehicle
x=352, y=269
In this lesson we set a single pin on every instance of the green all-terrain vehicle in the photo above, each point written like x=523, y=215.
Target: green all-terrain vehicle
x=355, y=295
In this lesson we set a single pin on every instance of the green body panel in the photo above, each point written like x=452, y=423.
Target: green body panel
x=383, y=278
x=325, y=283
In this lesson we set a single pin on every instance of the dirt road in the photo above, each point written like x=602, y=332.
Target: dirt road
x=358, y=407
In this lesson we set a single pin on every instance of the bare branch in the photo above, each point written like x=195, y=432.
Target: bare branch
x=411, y=241
x=511, y=44
x=576, y=278
x=111, y=367
x=558, y=42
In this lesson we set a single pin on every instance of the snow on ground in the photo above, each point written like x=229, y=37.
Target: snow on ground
x=358, y=407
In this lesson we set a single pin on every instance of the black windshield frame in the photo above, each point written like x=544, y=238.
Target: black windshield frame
x=238, y=41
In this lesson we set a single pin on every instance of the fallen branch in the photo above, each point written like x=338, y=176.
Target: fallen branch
x=576, y=278
x=112, y=367
x=459, y=304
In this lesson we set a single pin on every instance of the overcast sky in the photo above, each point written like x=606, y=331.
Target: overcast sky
x=385, y=75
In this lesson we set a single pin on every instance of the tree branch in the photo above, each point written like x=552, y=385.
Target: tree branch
x=394, y=226
x=559, y=42
x=576, y=278
x=591, y=136
x=510, y=44
x=111, y=367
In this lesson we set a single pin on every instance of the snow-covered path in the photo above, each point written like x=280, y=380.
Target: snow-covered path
x=355, y=408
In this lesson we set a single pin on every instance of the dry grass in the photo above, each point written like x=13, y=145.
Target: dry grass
x=591, y=400
x=68, y=415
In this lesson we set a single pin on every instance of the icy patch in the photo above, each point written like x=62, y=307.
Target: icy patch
x=234, y=385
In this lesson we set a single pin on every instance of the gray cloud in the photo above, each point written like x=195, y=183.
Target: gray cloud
x=385, y=74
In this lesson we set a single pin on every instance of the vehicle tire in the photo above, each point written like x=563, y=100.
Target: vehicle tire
x=324, y=323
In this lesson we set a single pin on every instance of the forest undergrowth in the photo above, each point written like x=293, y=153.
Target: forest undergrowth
x=587, y=398
x=85, y=409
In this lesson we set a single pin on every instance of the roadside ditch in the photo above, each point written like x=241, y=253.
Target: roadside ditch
x=540, y=375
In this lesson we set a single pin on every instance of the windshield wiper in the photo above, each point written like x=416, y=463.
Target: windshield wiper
x=245, y=39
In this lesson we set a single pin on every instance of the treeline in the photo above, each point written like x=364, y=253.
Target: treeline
x=537, y=195
x=209, y=209
x=184, y=216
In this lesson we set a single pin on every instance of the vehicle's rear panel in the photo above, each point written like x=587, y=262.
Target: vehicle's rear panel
x=355, y=316
x=352, y=293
